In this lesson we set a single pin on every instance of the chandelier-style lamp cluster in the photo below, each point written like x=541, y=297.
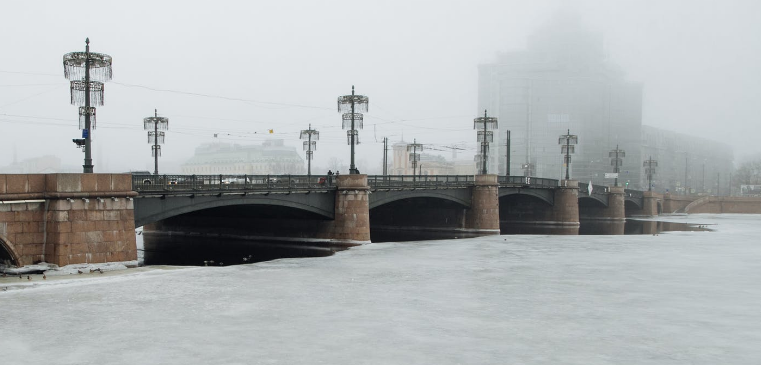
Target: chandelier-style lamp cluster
x=485, y=135
x=352, y=106
x=414, y=147
x=87, y=71
x=650, y=166
x=567, y=144
x=311, y=137
x=155, y=126
x=616, y=160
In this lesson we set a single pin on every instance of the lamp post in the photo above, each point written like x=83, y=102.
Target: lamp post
x=650, y=166
x=616, y=161
x=567, y=144
x=87, y=71
x=310, y=145
x=355, y=105
x=155, y=136
x=485, y=135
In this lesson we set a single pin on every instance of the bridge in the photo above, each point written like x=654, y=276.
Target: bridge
x=79, y=218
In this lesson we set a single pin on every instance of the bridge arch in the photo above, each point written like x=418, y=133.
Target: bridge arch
x=7, y=252
x=153, y=209
x=545, y=195
x=458, y=196
x=633, y=202
x=593, y=200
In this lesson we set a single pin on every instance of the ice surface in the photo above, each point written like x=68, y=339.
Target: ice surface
x=675, y=298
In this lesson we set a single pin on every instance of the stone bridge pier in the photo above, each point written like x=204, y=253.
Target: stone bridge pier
x=483, y=216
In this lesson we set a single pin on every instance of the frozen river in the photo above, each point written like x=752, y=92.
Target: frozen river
x=675, y=298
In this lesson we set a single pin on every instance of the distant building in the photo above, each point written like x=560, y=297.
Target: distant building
x=563, y=81
x=271, y=157
x=38, y=165
x=429, y=164
x=686, y=164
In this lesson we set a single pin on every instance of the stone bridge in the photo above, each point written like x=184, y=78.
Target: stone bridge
x=77, y=218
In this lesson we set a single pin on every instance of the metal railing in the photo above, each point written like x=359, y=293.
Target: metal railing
x=408, y=181
x=190, y=183
x=536, y=182
x=182, y=183
x=633, y=193
x=596, y=189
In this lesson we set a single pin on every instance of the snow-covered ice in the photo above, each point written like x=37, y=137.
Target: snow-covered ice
x=675, y=298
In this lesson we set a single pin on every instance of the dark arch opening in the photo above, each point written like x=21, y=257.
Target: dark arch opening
x=631, y=208
x=419, y=218
x=235, y=234
x=522, y=207
x=6, y=255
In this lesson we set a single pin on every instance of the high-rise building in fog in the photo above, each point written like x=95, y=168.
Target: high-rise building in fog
x=562, y=81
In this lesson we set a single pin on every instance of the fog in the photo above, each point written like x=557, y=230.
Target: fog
x=239, y=69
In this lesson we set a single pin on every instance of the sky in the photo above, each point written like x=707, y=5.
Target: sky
x=238, y=69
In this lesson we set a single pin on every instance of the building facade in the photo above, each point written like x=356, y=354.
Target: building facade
x=561, y=82
x=686, y=164
x=271, y=157
x=564, y=82
x=429, y=164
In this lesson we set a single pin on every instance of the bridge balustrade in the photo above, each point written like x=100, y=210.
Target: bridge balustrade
x=537, y=182
x=596, y=189
x=634, y=193
x=162, y=183
x=414, y=181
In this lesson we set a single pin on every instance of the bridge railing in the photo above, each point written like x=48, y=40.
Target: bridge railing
x=596, y=189
x=527, y=181
x=402, y=181
x=155, y=183
x=634, y=193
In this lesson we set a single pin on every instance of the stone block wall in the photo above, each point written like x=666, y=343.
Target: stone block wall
x=352, y=212
x=565, y=211
x=67, y=218
x=483, y=215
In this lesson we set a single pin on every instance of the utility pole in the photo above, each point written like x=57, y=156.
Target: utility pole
x=686, y=170
x=507, y=162
x=87, y=71
x=616, y=160
x=484, y=136
x=704, y=176
x=385, y=156
x=650, y=166
x=155, y=122
x=567, y=144
x=355, y=105
x=718, y=183
x=310, y=145
x=414, y=157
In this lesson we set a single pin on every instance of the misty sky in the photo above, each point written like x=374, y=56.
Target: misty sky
x=281, y=64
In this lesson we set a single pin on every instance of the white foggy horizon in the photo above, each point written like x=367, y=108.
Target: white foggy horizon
x=240, y=69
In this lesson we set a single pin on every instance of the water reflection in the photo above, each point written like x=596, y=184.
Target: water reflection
x=161, y=249
x=601, y=227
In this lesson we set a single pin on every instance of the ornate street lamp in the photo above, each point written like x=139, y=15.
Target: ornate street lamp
x=616, y=161
x=87, y=71
x=567, y=144
x=355, y=105
x=484, y=136
x=155, y=136
x=650, y=165
x=310, y=145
